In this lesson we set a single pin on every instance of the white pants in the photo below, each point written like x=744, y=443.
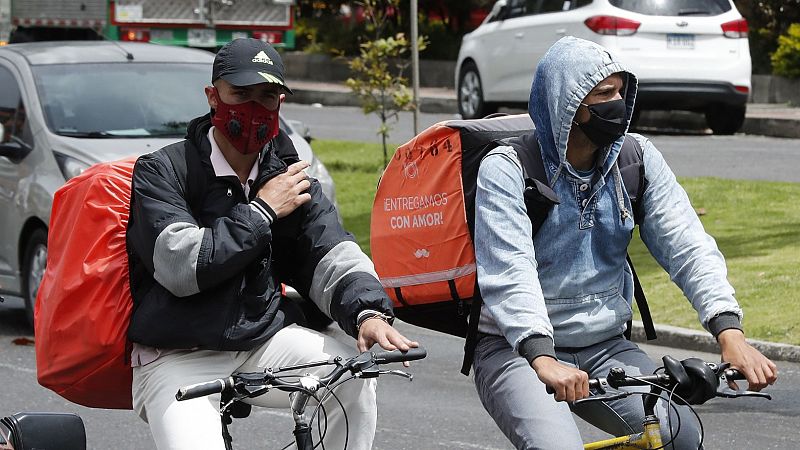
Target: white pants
x=195, y=424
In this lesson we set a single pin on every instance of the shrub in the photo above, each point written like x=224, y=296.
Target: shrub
x=786, y=59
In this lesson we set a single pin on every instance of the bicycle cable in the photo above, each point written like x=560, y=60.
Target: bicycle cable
x=329, y=392
x=671, y=404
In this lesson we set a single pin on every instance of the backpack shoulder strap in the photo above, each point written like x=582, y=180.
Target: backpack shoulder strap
x=539, y=197
x=188, y=169
x=631, y=167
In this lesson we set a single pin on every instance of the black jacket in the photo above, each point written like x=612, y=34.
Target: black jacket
x=206, y=266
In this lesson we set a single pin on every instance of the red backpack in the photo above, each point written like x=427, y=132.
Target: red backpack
x=84, y=302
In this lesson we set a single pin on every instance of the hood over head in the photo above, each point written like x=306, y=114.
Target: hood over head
x=569, y=70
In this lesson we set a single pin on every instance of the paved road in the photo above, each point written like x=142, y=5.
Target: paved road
x=438, y=411
x=690, y=152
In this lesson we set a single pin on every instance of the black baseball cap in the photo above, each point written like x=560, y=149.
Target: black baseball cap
x=248, y=61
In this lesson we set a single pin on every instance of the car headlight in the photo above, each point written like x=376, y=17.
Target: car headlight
x=70, y=167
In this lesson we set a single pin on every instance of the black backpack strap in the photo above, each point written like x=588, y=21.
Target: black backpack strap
x=472, y=330
x=190, y=173
x=539, y=197
x=641, y=303
x=631, y=168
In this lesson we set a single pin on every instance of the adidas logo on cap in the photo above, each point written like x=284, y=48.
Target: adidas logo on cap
x=262, y=57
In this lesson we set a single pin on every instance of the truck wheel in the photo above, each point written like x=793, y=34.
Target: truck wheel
x=725, y=119
x=471, y=104
x=34, y=261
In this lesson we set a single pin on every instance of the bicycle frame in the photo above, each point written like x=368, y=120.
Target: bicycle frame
x=650, y=438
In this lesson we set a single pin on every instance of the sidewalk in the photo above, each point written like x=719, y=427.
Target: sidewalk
x=775, y=120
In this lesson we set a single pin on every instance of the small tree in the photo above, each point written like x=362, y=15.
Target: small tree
x=786, y=59
x=378, y=79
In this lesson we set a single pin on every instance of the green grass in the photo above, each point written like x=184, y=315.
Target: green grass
x=755, y=223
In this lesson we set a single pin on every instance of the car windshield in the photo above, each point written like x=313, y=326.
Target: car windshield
x=133, y=100
x=675, y=7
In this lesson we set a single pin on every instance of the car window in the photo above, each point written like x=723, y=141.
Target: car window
x=113, y=99
x=575, y=4
x=674, y=7
x=548, y=6
x=516, y=8
x=12, y=110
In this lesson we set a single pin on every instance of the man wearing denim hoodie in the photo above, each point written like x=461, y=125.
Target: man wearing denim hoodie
x=556, y=308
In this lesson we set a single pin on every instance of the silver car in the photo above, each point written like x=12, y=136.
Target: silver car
x=67, y=105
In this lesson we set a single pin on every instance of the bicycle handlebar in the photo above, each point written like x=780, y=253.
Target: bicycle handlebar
x=616, y=380
x=356, y=364
x=413, y=354
x=203, y=389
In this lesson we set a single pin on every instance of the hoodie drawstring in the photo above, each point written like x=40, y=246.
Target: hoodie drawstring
x=623, y=211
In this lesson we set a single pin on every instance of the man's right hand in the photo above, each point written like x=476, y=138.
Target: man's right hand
x=286, y=192
x=569, y=383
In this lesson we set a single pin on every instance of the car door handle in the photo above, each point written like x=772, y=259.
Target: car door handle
x=561, y=31
x=519, y=35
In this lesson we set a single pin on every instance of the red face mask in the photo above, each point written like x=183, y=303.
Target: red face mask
x=247, y=126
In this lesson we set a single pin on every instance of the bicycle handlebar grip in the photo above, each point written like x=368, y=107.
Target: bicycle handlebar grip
x=398, y=356
x=203, y=389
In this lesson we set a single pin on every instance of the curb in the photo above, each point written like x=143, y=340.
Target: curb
x=702, y=341
x=775, y=127
x=784, y=128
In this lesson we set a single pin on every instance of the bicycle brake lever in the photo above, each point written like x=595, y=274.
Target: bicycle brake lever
x=399, y=373
x=602, y=398
x=730, y=393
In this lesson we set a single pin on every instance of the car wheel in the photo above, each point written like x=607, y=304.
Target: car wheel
x=725, y=119
x=34, y=261
x=471, y=104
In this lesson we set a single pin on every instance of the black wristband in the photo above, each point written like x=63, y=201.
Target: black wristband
x=724, y=321
x=536, y=345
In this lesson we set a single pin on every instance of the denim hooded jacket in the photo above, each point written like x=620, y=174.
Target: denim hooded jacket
x=571, y=286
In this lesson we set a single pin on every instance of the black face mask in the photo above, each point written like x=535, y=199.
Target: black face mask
x=606, y=123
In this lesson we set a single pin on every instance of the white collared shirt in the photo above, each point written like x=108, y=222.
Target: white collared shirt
x=222, y=168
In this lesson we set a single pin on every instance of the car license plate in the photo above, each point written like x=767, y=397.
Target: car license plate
x=680, y=41
x=202, y=37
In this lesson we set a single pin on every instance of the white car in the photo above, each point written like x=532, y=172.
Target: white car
x=690, y=55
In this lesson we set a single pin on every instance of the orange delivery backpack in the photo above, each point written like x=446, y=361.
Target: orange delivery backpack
x=84, y=302
x=422, y=222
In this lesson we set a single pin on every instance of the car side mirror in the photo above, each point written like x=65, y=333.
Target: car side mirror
x=11, y=149
x=29, y=431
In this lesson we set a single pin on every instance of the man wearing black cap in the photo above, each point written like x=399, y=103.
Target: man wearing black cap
x=218, y=222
